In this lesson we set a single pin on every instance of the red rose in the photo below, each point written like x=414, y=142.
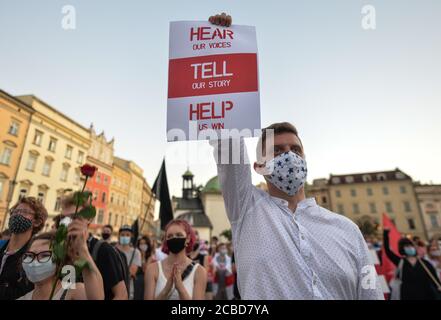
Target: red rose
x=88, y=170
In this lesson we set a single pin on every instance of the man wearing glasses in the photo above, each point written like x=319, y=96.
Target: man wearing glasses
x=27, y=218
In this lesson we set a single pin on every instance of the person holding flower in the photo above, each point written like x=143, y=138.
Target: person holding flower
x=40, y=269
x=106, y=257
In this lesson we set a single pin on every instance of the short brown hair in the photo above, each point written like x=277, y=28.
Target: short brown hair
x=49, y=236
x=40, y=212
x=68, y=200
x=278, y=128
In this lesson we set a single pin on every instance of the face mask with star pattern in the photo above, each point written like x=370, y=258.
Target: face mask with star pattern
x=287, y=172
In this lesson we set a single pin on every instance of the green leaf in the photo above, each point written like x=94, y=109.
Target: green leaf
x=80, y=265
x=61, y=233
x=81, y=198
x=59, y=251
x=88, y=212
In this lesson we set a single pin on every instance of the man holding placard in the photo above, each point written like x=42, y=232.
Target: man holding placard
x=286, y=246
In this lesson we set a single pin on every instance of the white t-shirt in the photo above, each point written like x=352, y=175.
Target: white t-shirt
x=160, y=255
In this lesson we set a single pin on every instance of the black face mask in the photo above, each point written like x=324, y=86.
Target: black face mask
x=176, y=245
x=19, y=224
x=105, y=236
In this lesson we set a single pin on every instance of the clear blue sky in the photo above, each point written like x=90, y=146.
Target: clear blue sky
x=361, y=100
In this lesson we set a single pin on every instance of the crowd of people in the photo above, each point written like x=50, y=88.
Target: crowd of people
x=181, y=267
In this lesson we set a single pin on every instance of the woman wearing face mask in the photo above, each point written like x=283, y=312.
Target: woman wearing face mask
x=27, y=218
x=223, y=286
x=419, y=280
x=176, y=277
x=434, y=254
x=40, y=269
x=144, y=245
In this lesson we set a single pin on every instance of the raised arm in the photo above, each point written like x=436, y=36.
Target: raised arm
x=392, y=256
x=234, y=172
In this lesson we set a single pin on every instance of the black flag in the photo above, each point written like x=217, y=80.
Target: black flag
x=160, y=189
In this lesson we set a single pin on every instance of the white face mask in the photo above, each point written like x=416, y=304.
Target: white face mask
x=39, y=271
x=287, y=172
x=436, y=253
x=143, y=247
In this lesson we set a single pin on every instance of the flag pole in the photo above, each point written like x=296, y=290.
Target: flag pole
x=147, y=210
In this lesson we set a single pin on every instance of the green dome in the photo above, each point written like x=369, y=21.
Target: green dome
x=188, y=173
x=212, y=185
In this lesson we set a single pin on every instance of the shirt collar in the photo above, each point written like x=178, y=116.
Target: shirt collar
x=305, y=203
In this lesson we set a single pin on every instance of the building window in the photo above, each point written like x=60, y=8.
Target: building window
x=47, y=167
x=388, y=206
x=13, y=128
x=105, y=180
x=366, y=178
x=64, y=173
x=393, y=221
x=434, y=220
x=411, y=223
x=41, y=197
x=336, y=180
x=338, y=193
x=116, y=219
x=23, y=193
x=38, y=137
x=110, y=218
x=103, y=197
x=68, y=153
x=403, y=189
x=98, y=178
x=32, y=161
x=57, y=204
x=373, y=207
x=95, y=195
x=349, y=179
x=52, y=145
x=353, y=192
x=369, y=192
x=111, y=198
x=77, y=177
x=407, y=207
x=6, y=156
x=381, y=177
x=2, y=186
x=100, y=216
x=399, y=175
x=341, y=208
x=385, y=190
x=324, y=199
x=80, y=157
x=355, y=208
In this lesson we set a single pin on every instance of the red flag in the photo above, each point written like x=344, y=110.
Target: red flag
x=387, y=267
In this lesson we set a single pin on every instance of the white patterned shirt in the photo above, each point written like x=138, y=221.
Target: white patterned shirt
x=312, y=253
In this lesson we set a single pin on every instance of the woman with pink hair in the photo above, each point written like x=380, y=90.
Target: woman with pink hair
x=176, y=277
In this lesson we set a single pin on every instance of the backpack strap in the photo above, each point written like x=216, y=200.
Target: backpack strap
x=95, y=250
x=188, y=270
x=438, y=286
x=64, y=294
